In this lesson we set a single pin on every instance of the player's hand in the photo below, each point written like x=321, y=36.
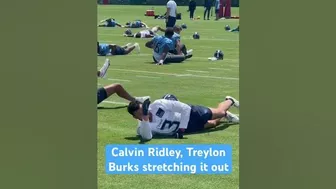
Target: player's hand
x=179, y=134
x=145, y=107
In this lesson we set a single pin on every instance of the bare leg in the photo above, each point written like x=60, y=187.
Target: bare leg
x=119, y=90
x=212, y=123
x=220, y=111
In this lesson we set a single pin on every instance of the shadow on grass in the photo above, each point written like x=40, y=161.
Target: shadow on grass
x=218, y=128
x=111, y=108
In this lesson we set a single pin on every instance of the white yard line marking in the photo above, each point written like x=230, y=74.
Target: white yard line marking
x=197, y=71
x=227, y=69
x=145, y=76
x=182, y=38
x=110, y=79
x=114, y=102
x=176, y=75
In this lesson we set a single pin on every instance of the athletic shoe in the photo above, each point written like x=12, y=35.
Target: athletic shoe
x=103, y=69
x=232, y=118
x=189, y=51
x=137, y=47
x=142, y=99
x=235, y=101
x=188, y=56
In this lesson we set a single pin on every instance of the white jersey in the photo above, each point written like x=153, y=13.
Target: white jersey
x=167, y=117
x=144, y=33
x=173, y=7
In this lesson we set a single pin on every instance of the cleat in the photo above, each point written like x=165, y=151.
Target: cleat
x=232, y=118
x=235, y=101
x=137, y=47
x=104, y=69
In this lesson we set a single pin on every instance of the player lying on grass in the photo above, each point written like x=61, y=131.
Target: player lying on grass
x=104, y=92
x=161, y=46
x=109, y=22
x=235, y=30
x=176, y=38
x=147, y=33
x=136, y=24
x=104, y=49
x=170, y=117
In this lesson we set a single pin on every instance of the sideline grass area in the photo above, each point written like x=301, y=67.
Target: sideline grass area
x=205, y=83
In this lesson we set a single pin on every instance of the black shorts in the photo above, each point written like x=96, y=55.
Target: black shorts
x=101, y=95
x=173, y=51
x=199, y=116
x=171, y=22
x=119, y=51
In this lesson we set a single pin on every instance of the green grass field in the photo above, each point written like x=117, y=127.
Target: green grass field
x=204, y=83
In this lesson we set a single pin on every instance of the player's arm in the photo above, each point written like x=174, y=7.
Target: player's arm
x=161, y=29
x=145, y=130
x=168, y=10
x=178, y=47
x=119, y=25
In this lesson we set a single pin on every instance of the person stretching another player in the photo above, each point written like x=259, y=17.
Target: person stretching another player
x=174, y=118
x=136, y=24
x=161, y=46
x=104, y=49
x=109, y=22
x=104, y=92
x=176, y=38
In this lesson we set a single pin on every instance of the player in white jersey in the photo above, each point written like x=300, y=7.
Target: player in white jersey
x=147, y=33
x=169, y=117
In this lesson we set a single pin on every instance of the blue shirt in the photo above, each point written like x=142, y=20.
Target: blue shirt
x=104, y=49
x=136, y=24
x=176, y=37
x=111, y=23
x=160, y=43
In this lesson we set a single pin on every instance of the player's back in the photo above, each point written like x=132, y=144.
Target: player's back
x=165, y=121
x=104, y=49
x=160, y=43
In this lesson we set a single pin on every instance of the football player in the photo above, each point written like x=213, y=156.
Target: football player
x=104, y=49
x=136, y=24
x=168, y=117
x=176, y=38
x=109, y=22
x=161, y=46
x=107, y=91
x=148, y=33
